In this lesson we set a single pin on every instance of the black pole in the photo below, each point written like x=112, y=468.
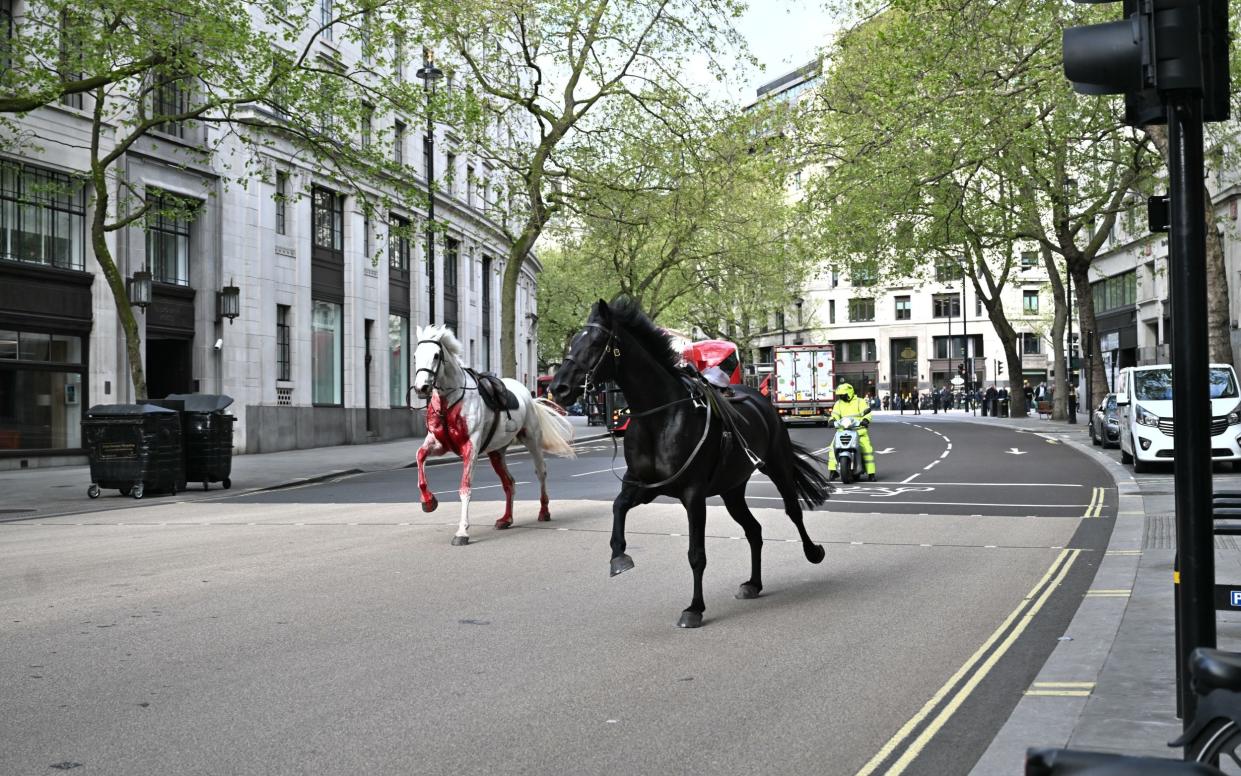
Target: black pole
x=1069, y=387
x=965, y=336
x=1190, y=378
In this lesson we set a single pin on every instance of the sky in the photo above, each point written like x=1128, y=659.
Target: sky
x=784, y=35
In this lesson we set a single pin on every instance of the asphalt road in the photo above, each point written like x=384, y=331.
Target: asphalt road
x=330, y=628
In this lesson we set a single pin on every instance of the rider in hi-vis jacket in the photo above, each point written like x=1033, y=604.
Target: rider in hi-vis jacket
x=849, y=404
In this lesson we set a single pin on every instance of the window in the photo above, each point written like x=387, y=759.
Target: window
x=398, y=143
x=450, y=174
x=1029, y=302
x=864, y=275
x=170, y=98
x=326, y=18
x=366, y=237
x=327, y=349
x=6, y=32
x=41, y=379
x=862, y=309
x=469, y=186
x=1031, y=344
x=282, y=203
x=452, y=253
x=1029, y=259
x=168, y=237
x=328, y=217
x=946, y=270
x=855, y=350
x=398, y=246
x=42, y=217
x=977, y=306
x=946, y=306
x=903, y=310
x=953, y=347
x=831, y=311
x=284, y=345
x=398, y=360
x=368, y=121
x=835, y=278
x=1116, y=292
x=70, y=59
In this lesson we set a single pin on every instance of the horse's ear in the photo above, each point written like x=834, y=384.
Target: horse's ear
x=417, y=333
x=601, y=307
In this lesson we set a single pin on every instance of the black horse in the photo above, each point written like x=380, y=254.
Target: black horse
x=687, y=440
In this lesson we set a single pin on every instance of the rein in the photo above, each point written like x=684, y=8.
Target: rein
x=614, y=350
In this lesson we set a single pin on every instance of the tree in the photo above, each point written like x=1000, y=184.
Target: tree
x=700, y=233
x=227, y=80
x=554, y=66
x=939, y=141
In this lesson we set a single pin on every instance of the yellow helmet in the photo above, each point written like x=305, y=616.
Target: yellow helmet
x=846, y=391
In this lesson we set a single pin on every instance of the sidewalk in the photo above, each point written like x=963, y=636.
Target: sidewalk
x=1119, y=648
x=47, y=491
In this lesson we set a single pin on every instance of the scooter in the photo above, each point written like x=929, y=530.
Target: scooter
x=845, y=448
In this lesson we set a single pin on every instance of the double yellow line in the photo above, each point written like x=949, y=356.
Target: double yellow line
x=915, y=734
x=1095, y=508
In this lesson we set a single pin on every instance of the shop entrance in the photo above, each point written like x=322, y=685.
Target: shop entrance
x=169, y=367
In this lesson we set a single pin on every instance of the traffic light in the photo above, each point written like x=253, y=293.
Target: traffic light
x=961, y=369
x=1159, y=46
x=999, y=368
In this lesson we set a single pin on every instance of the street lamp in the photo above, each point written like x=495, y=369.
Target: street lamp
x=965, y=345
x=798, y=339
x=139, y=290
x=1070, y=192
x=429, y=74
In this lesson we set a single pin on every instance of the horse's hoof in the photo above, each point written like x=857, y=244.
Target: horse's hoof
x=545, y=517
x=504, y=522
x=690, y=619
x=815, y=553
x=429, y=506
x=460, y=541
x=619, y=565
x=748, y=591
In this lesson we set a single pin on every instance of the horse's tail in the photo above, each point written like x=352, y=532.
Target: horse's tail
x=555, y=428
x=812, y=486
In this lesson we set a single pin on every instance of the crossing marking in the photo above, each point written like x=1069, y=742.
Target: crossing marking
x=1109, y=593
x=1014, y=624
x=1123, y=552
x=1061, y=689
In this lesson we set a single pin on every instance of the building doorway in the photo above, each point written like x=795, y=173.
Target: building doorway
x=169, y=366
x=904, y=365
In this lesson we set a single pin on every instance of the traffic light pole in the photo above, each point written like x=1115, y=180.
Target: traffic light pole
x=1195, y=580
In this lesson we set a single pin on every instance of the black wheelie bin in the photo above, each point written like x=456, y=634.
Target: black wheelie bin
x=208, y=435
x=133, y=448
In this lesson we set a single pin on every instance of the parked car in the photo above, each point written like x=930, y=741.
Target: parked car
x=1144, y=402
x=1105, y=423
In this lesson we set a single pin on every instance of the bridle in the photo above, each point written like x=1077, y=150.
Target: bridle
x=612, y=347
x=433, y=371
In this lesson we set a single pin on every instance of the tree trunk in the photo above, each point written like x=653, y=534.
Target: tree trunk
x=508, y=295
x=1219, y=336
x=1016, y=390
x=1219, y=323
x=116, y=283
x=1089, y=332
x=1060, y=386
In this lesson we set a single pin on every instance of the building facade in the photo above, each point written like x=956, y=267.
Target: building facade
x=330, y=298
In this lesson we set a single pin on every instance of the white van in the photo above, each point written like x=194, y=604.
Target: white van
x=1144, y=404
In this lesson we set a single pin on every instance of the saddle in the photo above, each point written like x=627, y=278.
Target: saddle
x=495, y=395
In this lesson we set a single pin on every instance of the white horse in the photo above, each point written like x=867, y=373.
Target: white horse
x=459, y=422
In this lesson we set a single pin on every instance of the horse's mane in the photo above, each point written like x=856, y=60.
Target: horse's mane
x=627, y=312
x=444, y=336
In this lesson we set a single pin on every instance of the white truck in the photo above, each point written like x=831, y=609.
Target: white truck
x=803, y=382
